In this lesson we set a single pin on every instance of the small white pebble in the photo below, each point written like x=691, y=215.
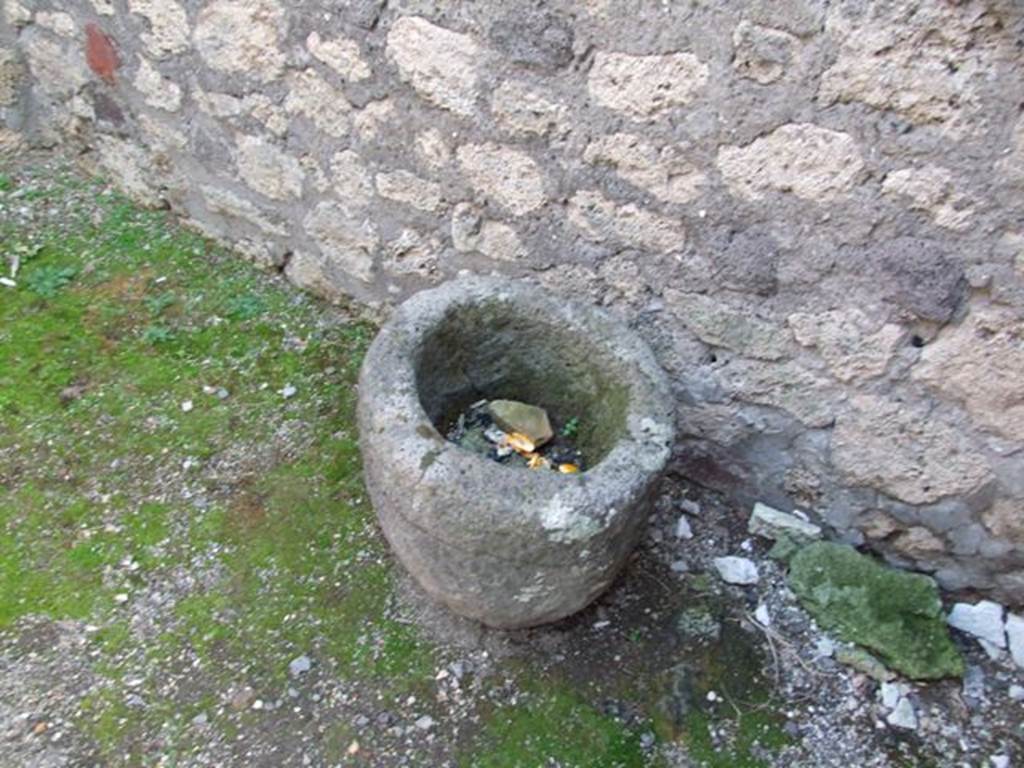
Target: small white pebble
x=683, y=529
x=763, y=617
x=601, y=624
x=712, y=696
x=288, y=391
x=186, y=406
x=258, y=704
x=121, y=598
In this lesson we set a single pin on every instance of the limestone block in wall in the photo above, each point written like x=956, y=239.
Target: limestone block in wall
x=411, y=253
x=373, y=121
x=351, y=180
x=159, y=91
x=12, y=73
x=980, y=363
x=346, y=241
x=326, y=106
x=58, y=22
x=666, y=173
x=432, y=149
x=896, y=56
x=1011, y=167
x=57, y=72
x=226, y=203
x=340, y=54
x=16, y=14
x=443, y=66
x=905, y=450
x=129, y=167
x=722, y=325
x=522, y=110
x=267, y=169
x=599, y=219
x=934, y=190
x=761, y=53
x=642, y=86
x=242, y=37
x=1005, y=519
x=168, y=26
x=494, y=239
x=408, y=188
x=856, y=346
x=509, y=177
x=785, y=385
x=807, y=160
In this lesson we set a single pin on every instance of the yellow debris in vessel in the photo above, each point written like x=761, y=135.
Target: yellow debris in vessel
x=520, y=443
x=568, y=469
x=536, y=461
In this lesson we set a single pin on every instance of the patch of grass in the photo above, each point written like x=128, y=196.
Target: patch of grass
x=553, y=726
x=121, y=318
x=48, y=280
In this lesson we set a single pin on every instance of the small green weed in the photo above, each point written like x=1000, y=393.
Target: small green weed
x=48, y=280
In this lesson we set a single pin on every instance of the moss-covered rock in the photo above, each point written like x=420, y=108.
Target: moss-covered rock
x=896, y=615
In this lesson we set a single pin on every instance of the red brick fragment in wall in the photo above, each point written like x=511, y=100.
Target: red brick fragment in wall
x=100, y=53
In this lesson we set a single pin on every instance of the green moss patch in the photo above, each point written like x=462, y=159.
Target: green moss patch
x=896, y=615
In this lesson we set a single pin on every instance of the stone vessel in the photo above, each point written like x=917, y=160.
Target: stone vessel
x=509, y=546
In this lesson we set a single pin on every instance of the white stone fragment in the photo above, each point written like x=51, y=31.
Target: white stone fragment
x=737, y=570
x=764, y=618
x=773, y=523
x=683, y=529
x=983, y=620
x=1015, y=635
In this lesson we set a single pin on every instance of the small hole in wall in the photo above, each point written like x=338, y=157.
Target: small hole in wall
x=916, y=341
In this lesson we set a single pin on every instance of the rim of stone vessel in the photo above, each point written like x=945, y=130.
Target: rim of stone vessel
x=648, y=431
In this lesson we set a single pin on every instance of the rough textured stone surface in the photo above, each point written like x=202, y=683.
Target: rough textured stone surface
x=168, y=26
x=324, y=105
x=1005, y=518
x=268, y=170
x=807, y=160
x=665, y=173
x=904, y=451
x=440, y=64
x=761, y=53
x=599, y=219
x=160, y=92
x=506, y=545
x=721, y=325
x=932, y=189
x=521, y=110
x=340, y=54
x=856, y=346
x=345, y=240
x=979, y=363
x=471, y=232
x=408, y=188
x=840, y=184
x=241, y=37
x=896, y=56
x=511, y=178
x=642, y=86
x=12, y=73
x=895, y=615
x=919, y=276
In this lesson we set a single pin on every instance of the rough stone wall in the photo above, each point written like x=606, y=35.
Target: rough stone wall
x=814, y=210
